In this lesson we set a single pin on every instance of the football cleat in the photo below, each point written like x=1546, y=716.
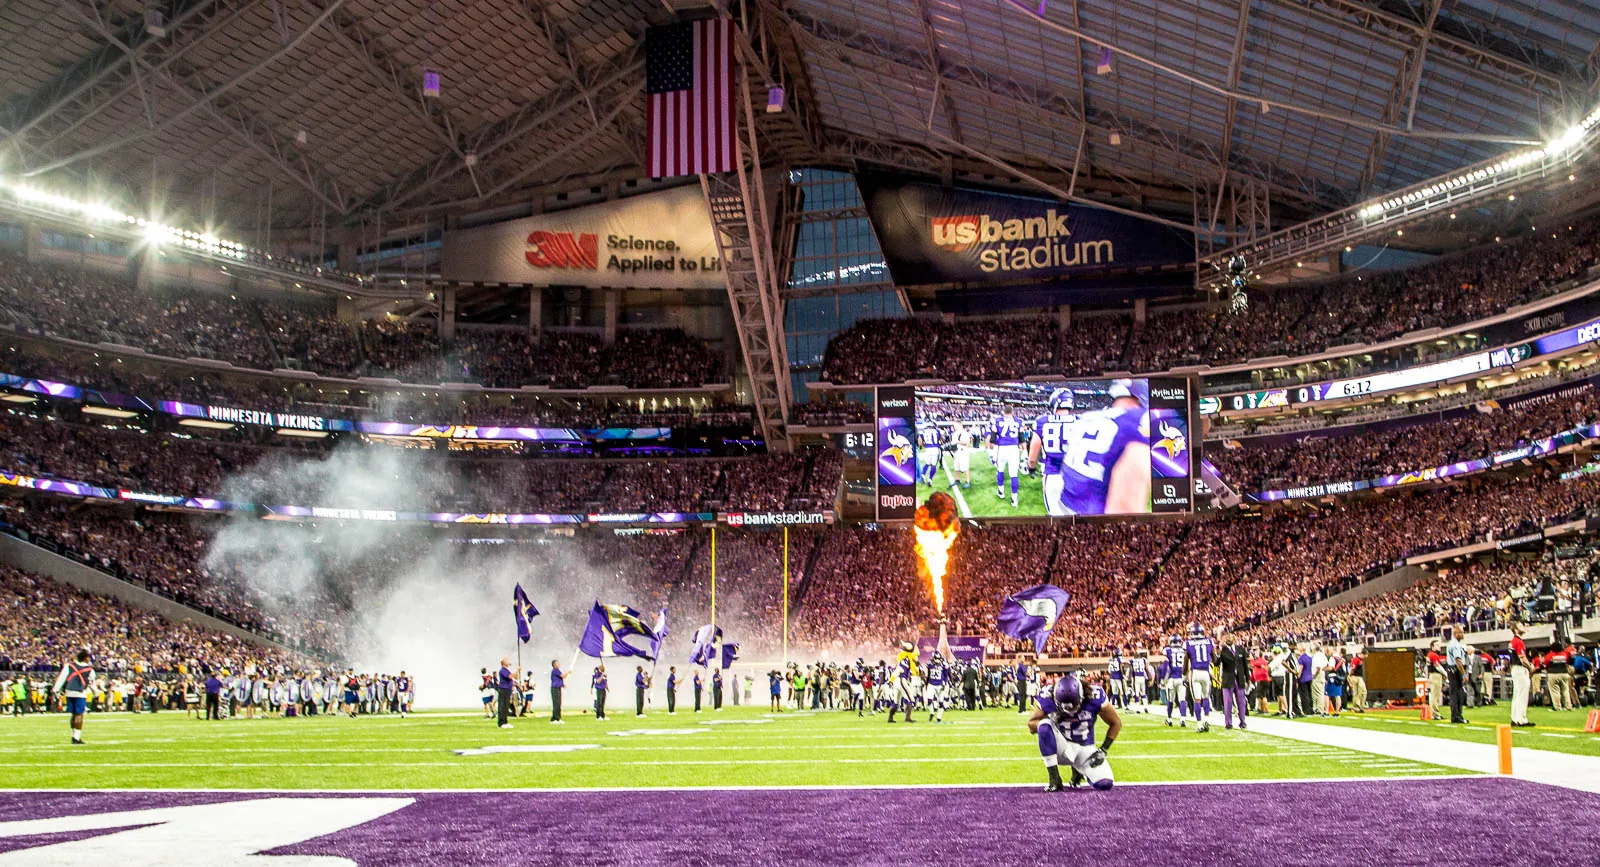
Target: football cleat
x=1055, y=780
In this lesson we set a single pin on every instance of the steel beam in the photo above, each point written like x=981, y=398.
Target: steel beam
x=256, y=135
x=1459, y=40
x=854, y=51
x=743, y=231
x=513, y=129
x=196, y=103
x=91, y=70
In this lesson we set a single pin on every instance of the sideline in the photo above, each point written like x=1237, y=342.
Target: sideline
x=1568, y=770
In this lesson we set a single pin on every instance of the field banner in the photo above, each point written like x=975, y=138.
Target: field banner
x=656, y=240
x=934, y=234
x=965, y=648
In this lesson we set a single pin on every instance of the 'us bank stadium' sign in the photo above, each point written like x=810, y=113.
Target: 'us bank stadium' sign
x=934, y=234
x=656, y=240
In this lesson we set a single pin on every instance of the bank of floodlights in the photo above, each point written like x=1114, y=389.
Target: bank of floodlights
x=1422, y=198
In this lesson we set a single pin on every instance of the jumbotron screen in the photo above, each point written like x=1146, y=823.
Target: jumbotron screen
x=1059, y=449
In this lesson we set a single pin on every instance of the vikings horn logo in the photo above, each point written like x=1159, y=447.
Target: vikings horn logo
x=899, y=448
x=1172, y=441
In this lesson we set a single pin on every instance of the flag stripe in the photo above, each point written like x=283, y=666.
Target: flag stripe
x=691, y=118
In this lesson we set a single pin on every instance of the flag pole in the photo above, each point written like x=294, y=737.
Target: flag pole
x=786, y=595
x=713, y=576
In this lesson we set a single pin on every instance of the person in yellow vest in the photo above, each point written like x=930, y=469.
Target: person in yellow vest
x=75, y=681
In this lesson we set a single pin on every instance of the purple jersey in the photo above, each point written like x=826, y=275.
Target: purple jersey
x=929, y=436
x=1174, y=655
x=1136, y=666
x=1051, y=430
x=1095, y=442
x=1006, y=430
x=1200, y=651
x=1080, y=727
x=1114, y=668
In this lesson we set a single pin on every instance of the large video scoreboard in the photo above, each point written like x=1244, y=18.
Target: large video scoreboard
x=1037, y=450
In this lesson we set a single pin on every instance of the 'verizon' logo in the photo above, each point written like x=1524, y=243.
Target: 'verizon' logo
x=578, y=252
x=1053, y=250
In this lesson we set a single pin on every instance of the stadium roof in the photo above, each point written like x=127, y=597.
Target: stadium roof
x=1315, y=103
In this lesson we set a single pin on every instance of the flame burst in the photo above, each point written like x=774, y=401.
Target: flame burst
x=936, y=526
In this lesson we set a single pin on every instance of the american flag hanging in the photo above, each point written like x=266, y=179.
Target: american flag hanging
x=689, y=74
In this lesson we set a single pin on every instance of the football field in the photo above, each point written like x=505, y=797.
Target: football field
x=743, y=786
x=979, y=500
x=1557, y=731
x=736, y=747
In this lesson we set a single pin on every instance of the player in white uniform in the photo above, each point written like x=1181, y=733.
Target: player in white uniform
x=962, y=457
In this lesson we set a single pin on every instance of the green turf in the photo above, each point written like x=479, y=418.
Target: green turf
x=979, y=500
x=1557, y=732
x=745, y=747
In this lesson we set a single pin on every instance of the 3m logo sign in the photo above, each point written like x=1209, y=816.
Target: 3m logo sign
x=579, y=252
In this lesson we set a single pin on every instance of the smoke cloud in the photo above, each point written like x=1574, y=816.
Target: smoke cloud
x=402, y=597
x=437, y=604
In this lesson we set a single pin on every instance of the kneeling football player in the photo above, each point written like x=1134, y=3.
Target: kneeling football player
x=1064, y=723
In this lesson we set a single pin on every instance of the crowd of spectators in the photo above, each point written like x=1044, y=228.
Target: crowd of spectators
x=302, y=472
x=858, y=591
x=1358, y=308
x=1478, y=596
x=661, y=358
x=101, y=309
x=1359, y=452
x=310, y=333
x=264, y=333
x=153, y=380
x=833, y=413
x=1136, y=584
x=41, y=621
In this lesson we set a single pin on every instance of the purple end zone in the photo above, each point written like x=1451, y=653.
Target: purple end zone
x=1395, y=822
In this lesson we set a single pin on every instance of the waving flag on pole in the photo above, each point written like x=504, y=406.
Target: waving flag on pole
x=661, y=633
x=608, y=625
x=730, y=652
x=690, y=79
x=706, y=640
x=523, y=606
x=1030, y=615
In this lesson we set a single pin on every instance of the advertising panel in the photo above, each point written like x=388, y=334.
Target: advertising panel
x=937, y=234
x=657, y=240
x=897, y=453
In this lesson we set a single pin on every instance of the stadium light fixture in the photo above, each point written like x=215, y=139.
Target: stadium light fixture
x=1561, y=144
x=95, y=213
x=109, y=412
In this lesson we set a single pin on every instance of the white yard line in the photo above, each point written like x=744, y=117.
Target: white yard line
x=1568, y=770
x=817, y=788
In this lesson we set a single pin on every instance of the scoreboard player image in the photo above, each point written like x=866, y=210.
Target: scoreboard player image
x=1052, y=449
